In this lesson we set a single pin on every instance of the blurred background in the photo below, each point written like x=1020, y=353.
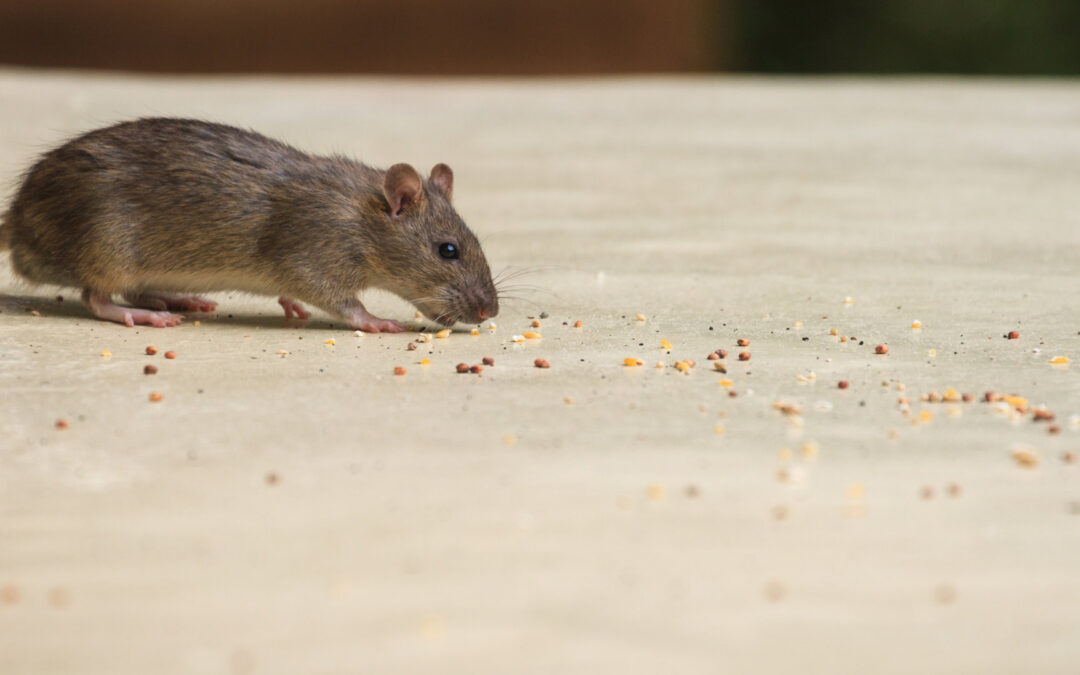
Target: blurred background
x=551, y=37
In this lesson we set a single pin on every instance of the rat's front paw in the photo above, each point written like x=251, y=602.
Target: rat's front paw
x=377, y=325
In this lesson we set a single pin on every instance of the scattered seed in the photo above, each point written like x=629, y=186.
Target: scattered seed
x=474, y=331
x=541, y=363
x=271, y=478
x=105, y=353
x=954, y=490
x=664, y=344
x=719, y=367
x=532, y=336
x=833, y=331
x=411, y=347
x=1041, y=415
x=640, y=317
x=535, y=323
x=568, y=400
x=719, y=430
x=463, y=367
x=926, y=492
x=509, y=439
x=1058, y=360
x=331, y=342
x=656, y=492
x=577, y=324
x=713, y=357
x=476, y=369
x=881, y=349
x=916, y=324
x=630, y=361
x=149, y=369
x=151, y=350
x=843, y=384
x=61, y=424
x=1053, y=430
x=744, y=356
x=444, y=333
x=1069, y=457
x=425, y=361
x=692, y=491
x=742, y=342
x=1013, y=335
x=399, y=370
x=170, y=355
x=156, y=396
x=1025, y=457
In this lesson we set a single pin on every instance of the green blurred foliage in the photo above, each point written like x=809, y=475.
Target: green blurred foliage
x=1006, y=37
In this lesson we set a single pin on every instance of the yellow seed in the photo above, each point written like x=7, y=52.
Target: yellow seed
x=536, y=323
x=664, y=344
x=659, y=364
x=719, y=430
x=444, y=333
x=282, y=352
x=418, y=315
x=1016, y=401
x=331, y=342
x=856, y=491
x=425, y=362
x=474, y=331
x=492, y=326
x=1059, y=360
x=197, y=323
x=656, y=492
x=631, y=361
x=640, y=317
x=916, y=324
x=797, y=324
x=509, y=439
x=809, y=449
x=1026, y=457
x=682, y=366
x=931, y=353
x=785, y=455
x=727, y=384
x=849, y=300
x=106, y=353
x=568, y=400
x=833, y=331
x=951, y=395
x=926, y=416
x=532, y=336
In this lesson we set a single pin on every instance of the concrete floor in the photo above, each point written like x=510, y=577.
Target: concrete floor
x=313, y=513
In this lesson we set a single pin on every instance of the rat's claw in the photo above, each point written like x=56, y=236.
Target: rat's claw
x=293, y=308
x=374, y=325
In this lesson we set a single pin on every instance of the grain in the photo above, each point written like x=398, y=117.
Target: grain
x=399, y=370
x=151, y=350
x=156, y=396
x=463, y=367
x=149, y=369
x=541, y=363
x=744, y=356
x=170, y=355
x=742, y=342
x=488, y=361
x=881, y=349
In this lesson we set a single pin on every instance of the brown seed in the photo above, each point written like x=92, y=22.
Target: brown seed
x=1053, y=430
x=488, y=361
x=732, y=393
x=744, y=356
x=151, y=350
x=463, y=367
x=577, y=324
x=156, y=396
x=541, y=363
x=1040, y=415
x=170, y=355
x=742, y=342
x=967, y=398
x=272, y=478
x=399, y=370
x=411, y=347
x=149, y=369
x=843, y=384
x=926, y=492
x=476, y=369
x=722, y=353
x=713, y=357
x=881, y=349
x=10, y=595
x=59, y=298
x=535, y=323
x=991, y=396
x=691, y=491
x=954, y=490
x=61, y=424
x=1013, y=335
x=1069, y=457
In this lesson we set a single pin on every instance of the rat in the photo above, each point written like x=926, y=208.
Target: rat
x=157, y=209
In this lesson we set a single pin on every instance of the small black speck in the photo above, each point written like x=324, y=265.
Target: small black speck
x=860, y=343
x=862, y=404
x=710, y=328
x=806, y=339
x=200, y=391
x=320, y=370
x=230, y=316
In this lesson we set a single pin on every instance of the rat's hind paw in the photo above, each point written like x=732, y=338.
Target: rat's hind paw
x=102, y=306
x=293, y=308
x=377, y=325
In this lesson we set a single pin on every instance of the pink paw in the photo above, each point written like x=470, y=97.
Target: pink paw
x=192, y=303
x=293, y=308
x=376, y=325
x=146, y=317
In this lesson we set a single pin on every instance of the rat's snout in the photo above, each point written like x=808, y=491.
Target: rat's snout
x=485, y=302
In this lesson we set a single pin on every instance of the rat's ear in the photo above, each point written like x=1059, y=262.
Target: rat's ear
x=443, y=178
x=401, y=188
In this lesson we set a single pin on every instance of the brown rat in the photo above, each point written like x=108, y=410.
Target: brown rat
x=154, y=207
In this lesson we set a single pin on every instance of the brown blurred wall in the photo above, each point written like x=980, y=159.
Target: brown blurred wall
x=367, y=36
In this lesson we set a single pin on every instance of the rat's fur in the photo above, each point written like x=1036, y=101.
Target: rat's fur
x=173, y=205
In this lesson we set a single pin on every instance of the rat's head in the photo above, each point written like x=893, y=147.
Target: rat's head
x=445, y=272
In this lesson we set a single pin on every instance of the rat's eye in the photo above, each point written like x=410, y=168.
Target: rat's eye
x=448, y=251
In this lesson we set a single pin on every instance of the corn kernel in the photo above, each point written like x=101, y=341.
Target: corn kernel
x=631, y=361
x=474, y=331
x=727, y=384
x=532, y=336
x=1059, y=360
x=664, y=344
x=444, y=333
x=331, y=342
x=425, y=362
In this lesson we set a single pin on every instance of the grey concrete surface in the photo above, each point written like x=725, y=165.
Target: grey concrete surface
x=314, y=513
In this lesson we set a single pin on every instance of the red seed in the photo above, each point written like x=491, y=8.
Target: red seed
x=881, y=349
x=488, y=361
x=744, y=356
x=399, y=370
x=722, y=353
x=541, y=363
x=151, y=350
x=1013, y=335
x=156, y=396
x=1042, y=415
x=742, y=342
x=463, y=367
x=843, y=384
x=967, y=398
x=713, y=357
x=149, y=369
x=61, y=424
x=476, y=369
x=170, y=355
